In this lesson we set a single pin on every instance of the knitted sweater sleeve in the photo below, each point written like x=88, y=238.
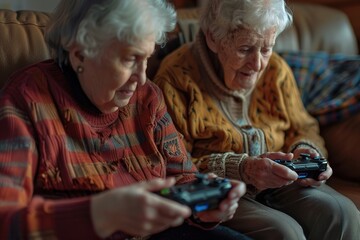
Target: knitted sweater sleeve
x=169, y=141
x=22, y=214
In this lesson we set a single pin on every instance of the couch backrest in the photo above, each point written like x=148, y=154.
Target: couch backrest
x=21, y=40
x=318, y=28
x=315, y=28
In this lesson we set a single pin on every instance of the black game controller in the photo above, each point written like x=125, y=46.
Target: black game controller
x=203, y=194
x=305, y=166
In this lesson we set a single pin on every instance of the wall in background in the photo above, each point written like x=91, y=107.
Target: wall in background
x=39, y=5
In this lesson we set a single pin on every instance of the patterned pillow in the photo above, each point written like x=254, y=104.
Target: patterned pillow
x=329, y=84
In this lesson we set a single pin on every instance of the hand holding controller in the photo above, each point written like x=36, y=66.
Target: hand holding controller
x=305, y=166
x=203, y=194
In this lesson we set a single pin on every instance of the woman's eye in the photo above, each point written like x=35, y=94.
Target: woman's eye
x=243, y=50
x=266, y=51
x=129, y=62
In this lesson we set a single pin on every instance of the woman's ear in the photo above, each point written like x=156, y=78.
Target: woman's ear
x=76, y=57
x=211, y=42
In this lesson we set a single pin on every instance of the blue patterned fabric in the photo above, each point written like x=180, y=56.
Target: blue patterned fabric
x=329, y=84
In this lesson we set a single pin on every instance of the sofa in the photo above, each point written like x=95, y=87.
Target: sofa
x=316, y=28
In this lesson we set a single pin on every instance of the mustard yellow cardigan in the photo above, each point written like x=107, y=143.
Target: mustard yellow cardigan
x=272, y=117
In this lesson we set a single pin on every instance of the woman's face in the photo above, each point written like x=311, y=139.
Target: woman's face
x=111, y=80
x=243, y=55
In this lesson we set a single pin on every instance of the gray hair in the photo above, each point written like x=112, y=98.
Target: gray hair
x=220, y=17
x=93, y=23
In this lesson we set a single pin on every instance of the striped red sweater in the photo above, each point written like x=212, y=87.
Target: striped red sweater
x=56, y=149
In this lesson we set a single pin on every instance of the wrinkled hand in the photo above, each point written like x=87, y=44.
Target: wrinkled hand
x=227, y=207
x=309, y=182
x=263, y=172
x=135, y=210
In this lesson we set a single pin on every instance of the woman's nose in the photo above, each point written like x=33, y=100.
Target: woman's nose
x=141, y=73
x=255, y=61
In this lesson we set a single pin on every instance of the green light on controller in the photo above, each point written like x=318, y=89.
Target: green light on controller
x=165, y=191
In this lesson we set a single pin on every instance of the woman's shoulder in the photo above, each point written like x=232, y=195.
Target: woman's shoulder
x=278, y=65
x=276, y=60
x=32, y=76
x=30, y=85
x=179, y=70
x=180, y=58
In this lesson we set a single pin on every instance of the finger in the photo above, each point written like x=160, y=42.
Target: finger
x=309, y=182
x=170, y=208
x=283, y=172
x=226, y=205
x=163, y=213
x=215, y=215
x=230, y=212
x=158, y=184
x=164, y=221
x=326, y=175
x=238, y=189
x=277, y=155
x=307, y=150
x=226, y=208
x=212, y=175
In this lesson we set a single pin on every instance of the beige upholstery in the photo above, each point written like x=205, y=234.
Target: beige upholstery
x=312, y=30
x=315, y=29
x=21, y=40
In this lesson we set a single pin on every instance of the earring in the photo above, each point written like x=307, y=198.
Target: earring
x=80, y=69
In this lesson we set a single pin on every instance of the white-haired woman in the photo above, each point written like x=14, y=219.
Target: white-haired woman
x=86, y=139
x=237, y=104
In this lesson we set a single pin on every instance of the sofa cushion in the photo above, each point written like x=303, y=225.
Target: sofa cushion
x=329, y=83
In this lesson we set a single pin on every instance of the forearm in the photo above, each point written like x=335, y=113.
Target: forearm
x=58, y=219
x=229, y=165
x=226, y=164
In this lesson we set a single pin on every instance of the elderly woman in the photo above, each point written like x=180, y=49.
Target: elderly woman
x=237, y=104
x=85, y=139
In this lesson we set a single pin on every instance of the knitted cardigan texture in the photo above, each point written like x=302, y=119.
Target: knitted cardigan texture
x=221, y=126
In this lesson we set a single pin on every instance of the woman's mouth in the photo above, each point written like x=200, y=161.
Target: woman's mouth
x=126, y=93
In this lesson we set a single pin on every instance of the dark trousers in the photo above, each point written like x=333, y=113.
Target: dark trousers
x=187, y=232
x=298, y=213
